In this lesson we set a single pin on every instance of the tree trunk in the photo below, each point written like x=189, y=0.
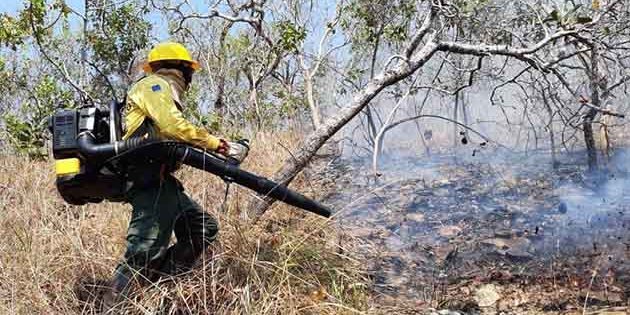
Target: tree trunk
x=587, y=124
x=312, y=104
x=554, y=159
x=455, y=129
x=219, y=104
x=465, y=115
x=589, y=140
x=368, y=111
x=253, y=105
x=310, y=98
x=604, y=139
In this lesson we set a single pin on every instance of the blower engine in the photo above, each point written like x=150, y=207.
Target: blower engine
x=91, y=160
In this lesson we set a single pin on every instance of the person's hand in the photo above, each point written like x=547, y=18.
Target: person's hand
x=238, y=151
x=224, y=147
x=234, y=152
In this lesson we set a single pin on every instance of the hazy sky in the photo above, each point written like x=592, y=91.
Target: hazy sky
x=12, y=6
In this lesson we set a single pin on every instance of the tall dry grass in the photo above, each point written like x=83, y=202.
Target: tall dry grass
x=289, y=263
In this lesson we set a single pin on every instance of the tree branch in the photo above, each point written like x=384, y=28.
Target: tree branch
x=422, y=32
x=62, y=70
x=505, y=50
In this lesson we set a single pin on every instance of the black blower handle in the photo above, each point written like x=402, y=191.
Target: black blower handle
x=177, y=151
x=259, y=184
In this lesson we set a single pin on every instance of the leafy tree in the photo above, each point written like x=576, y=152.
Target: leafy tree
x=27, y=128
x=115, y=35
x=64, y=66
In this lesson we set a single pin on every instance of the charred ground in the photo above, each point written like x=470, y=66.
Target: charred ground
x=495, y=232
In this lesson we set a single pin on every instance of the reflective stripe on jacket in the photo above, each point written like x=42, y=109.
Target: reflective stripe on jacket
x=152, y=98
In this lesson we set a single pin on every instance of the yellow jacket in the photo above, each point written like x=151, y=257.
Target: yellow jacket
x=153, y=98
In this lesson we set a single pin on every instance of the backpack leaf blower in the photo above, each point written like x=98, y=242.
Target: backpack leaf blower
x=91, y=160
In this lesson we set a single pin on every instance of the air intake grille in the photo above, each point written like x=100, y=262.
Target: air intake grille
x=64, y=131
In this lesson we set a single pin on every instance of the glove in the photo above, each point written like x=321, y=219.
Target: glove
x=234, y=152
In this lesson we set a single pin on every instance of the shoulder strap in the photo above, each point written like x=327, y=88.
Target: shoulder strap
x=147, y=127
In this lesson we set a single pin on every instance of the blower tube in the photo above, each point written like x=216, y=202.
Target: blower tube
x=181, y=152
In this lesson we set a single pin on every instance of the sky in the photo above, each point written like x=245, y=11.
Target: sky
x=8, y=6
x=12, y=6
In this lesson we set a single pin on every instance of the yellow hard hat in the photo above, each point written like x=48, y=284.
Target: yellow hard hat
x=169, y=51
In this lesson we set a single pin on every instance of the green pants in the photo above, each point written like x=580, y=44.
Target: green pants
x=160, y=208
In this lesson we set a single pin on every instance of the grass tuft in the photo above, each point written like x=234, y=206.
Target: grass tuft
x=56, y=258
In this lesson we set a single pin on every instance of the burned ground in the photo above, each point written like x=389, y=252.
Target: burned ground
x=488, y=234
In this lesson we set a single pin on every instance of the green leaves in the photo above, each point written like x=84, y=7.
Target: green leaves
x=63, y=7
x=116, y=35
x=469, y=6
x=23, y=136
x=238, y=44
x=369, y=21
x=36, y=11
x=291, y=36
x=12, y=31
x=583, y=19
x=569, y=15
x=396, y=33
x=26, y=128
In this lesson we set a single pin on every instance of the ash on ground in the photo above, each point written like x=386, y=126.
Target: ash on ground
x=489, y=234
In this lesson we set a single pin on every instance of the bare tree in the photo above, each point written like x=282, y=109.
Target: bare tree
x=425, y=42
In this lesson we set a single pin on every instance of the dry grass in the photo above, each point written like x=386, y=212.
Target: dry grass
x=288, y=263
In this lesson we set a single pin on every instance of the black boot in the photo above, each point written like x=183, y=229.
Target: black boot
x=118, y=291
x=181, y=257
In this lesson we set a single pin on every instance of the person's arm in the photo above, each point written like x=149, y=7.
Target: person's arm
x=154, y=98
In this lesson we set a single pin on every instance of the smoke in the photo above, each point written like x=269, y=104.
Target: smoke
x=496, y=206
x=451, y=202
x=596, y=204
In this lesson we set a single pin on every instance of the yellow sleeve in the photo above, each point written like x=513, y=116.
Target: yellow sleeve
x=153, y=96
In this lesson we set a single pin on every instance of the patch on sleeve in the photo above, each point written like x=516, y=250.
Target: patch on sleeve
x=156, y=88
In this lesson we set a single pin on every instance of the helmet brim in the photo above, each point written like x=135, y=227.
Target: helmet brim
x=192, y=63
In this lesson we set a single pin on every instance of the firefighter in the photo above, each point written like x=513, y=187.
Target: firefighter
x=160, y=206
